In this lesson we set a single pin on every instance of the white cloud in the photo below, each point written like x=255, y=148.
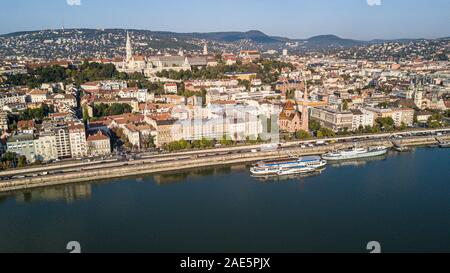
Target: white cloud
x=73, y=2
x=374, y=2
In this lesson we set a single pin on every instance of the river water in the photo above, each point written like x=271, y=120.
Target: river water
x=401, y=200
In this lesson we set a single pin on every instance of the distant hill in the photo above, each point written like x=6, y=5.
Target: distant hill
x=324, y=41
x=110, y=42
x=253, y=35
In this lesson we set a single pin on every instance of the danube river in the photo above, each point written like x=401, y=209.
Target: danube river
x=401, y=201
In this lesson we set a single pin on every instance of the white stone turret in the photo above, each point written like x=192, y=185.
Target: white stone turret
x=205, y=49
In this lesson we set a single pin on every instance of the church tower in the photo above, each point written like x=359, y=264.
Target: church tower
x=129, y=48
x=305, y=114
x=418, y=98
x=205, y=49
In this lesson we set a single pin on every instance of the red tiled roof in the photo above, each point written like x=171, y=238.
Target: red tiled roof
x=98, y=136
x=25, y=124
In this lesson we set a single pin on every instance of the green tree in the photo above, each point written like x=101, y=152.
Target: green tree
x=302, y=135
x=314, y=125
x=150, y=142
x=325, y=132
x=102, y=109
x=345, y=105
x=9, y=160
x=225, y=141
x=386, y=124
x=85, y=114
x=22, y=161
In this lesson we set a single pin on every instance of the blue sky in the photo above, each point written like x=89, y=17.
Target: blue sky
x=290, y=18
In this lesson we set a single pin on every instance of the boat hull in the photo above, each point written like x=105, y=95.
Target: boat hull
x=444, y=145
x=355, y=156
x=281, y=166
x=296, y=171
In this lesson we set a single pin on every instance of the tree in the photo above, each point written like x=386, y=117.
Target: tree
x=150, y=142
x=314, y=125
x=9, y=160
x=22, y=161
x=435, y=120
x=85, y=114
x=101, y=110
x=345, y=105
x=302, y=134
x=325, y=132
x=386, y=124
x=36, y=113
x=383, y=105
x=225, y=141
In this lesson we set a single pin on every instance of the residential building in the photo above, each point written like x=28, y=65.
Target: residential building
x=22, y=144
x=170, y=88
x=45, y=147
x=333, y=119
x=362, y=118
x=37, y=95
x=77, y=136
x=26, y=126
x=403, y=116
x=11, y=98
x=98, y=144
x=61, y=132
x=3, y=121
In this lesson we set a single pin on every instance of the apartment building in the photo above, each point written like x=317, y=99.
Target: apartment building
x=37, y=95
x=98, y=144
x=333, y=119
x=77, y=136
x=45, y=147
x=3, y=121
x=11, y=98
x=22, y=144
x=399, y=115
x=62, y=140
x=362, y=118
x=403, y=116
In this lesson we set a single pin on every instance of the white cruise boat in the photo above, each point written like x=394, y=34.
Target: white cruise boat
x=275, y=167
x=355, y=153
x=296, y=170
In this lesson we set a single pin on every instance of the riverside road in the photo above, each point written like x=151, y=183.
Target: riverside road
x=144, y=163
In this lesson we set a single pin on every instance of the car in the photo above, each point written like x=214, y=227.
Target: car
x=18, y=176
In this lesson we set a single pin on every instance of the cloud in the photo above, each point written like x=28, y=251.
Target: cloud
x=73, y=2
x=374, y=2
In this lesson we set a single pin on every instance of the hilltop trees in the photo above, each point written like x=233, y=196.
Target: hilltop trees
x=48, y=74
x=101, y=110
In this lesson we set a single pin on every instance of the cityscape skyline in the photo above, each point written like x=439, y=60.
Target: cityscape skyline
x=300, y=19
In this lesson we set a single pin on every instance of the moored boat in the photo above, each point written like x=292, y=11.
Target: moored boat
x=355, y=153
x=296, y=170
x=444, y=145
x=274, y=167
x=401, y=148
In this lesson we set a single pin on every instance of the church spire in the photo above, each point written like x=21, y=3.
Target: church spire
x=129, y=48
